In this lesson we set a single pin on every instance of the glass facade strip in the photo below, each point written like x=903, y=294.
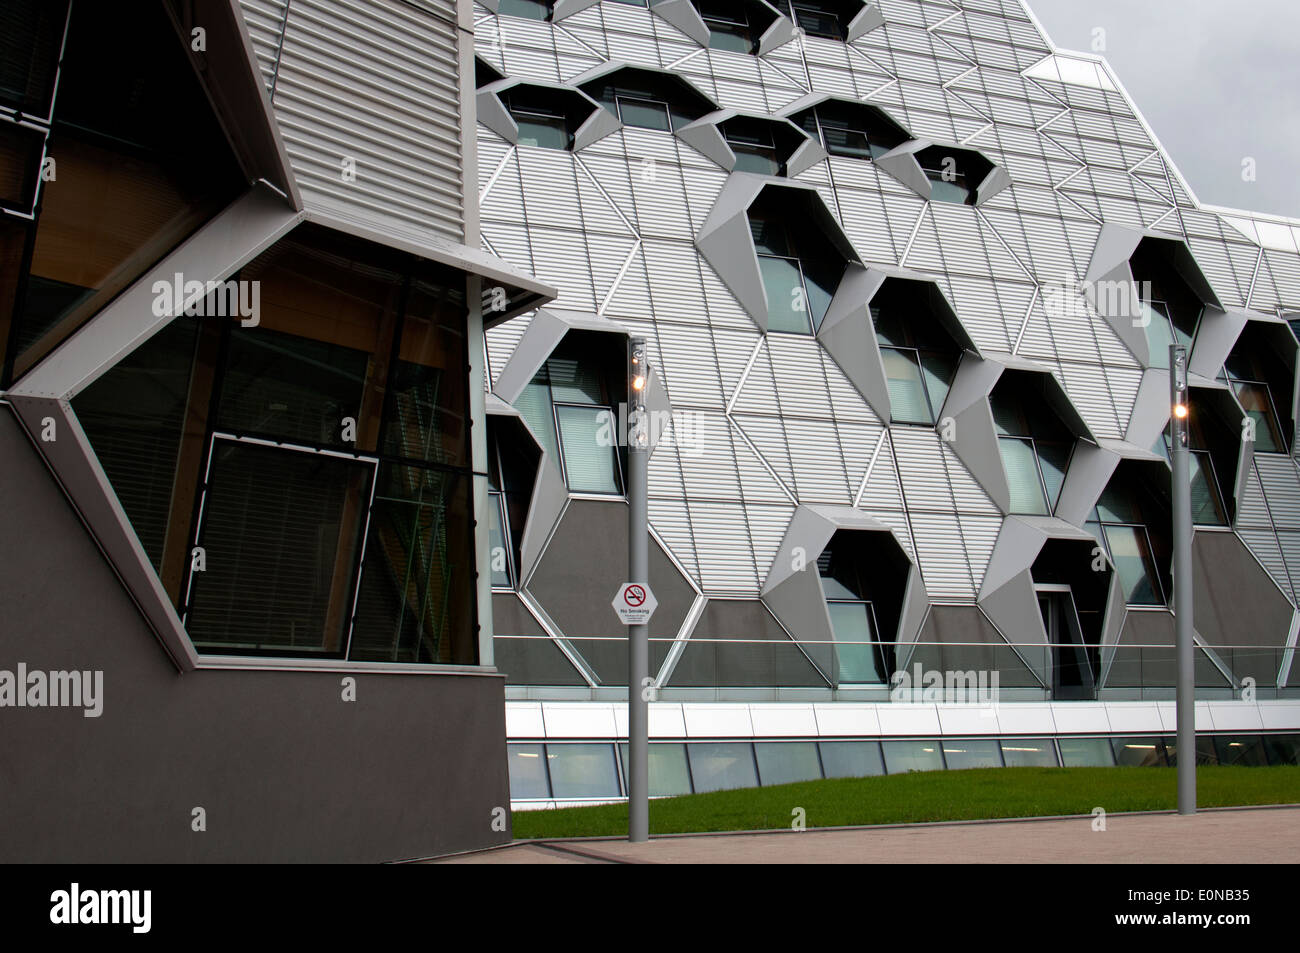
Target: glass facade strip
x=851, y=759
x=1028, y=753
x=902, y=757
x=722, y=766
x=785, y=762
x=582, y=770
x=971, y=753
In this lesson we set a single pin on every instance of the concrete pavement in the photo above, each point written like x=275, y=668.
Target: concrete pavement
x=1238, y=835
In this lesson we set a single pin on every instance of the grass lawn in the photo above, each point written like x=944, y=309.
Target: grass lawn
x=926, y=796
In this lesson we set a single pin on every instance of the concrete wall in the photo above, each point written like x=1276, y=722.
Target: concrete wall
x=283, y=767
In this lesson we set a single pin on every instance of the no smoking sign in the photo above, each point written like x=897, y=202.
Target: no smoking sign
x=634, y=603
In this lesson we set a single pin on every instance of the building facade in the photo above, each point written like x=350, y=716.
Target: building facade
x=909, y=275
x=242, y=337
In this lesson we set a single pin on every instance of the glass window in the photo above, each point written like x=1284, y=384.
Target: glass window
x=1207, y=506
x=1139, y=752
x=944, y=190
x=816, y=20
x=1283, y=749
x=644, y=113
x=1258, y=404
x=669, y=773
x=784, y=762
x=498, y=551
x=858, y=660
x=528, y=9
x=1248, y=750
x=527, y=772
x=582, y=770
x=852, y=759
x=907, y=399
x=728, y=23
x=587, y=435
x=1130, y=551
x=547, y=130
x=281, y=531
x=722, y=766
x=967, y=753
x=754, y=149
x=1086, y=753
x=131, y=186
x=787, y=301
x=534, y=405
x=1028, y=753
x=1021, y=465
x=904, y=756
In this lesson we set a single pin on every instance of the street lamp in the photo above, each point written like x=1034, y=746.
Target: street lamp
x=1185, y=702
x=638, y=636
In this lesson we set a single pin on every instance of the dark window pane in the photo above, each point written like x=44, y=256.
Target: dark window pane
x=417, y=584
x=1247, y=750
x=907, y=399
x=291, y=388
x=1130, y=550
x=280, y=530
x=133, y=417
x=549, y=132
x=816, y=21
x=130, y=186
x=1139, y=752
x=20, y=166
x=30, y=34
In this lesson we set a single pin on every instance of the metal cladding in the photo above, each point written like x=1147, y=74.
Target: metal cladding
x=648, y=229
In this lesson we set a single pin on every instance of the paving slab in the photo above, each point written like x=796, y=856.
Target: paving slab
x=1251, y=836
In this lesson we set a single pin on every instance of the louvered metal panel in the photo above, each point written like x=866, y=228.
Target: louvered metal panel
x=1277, y=475
x=941, y=551
x=758, y=484
x=377, y=84
x=675, y=283
x=669, y=520
x=1264, y=545
x=560, y=258
x=693, y=381
x=711, y=473
x=265, y=19
x=796, y=369
x=1252, y=510
x=550, y=188
x=768, y=438
x=819, y=472
x=723, y=549
x=919, y=457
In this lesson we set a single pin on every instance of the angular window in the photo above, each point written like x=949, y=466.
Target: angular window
x=800, y=268
x=849, y=129
x=863, y=589
x=1035, y=445
x=1132, y=522
x=1207, y=495
x=582, y=770
x=722, y=766
x=527, y=9
x=1261, y=372
x=903, y=757
x=540, y=124
x=817, y=18
x=528, y=779
x=1072, y=599
x=954, y=174
x=303, y=485
x=754, y=146
x=648, y=98
x=512, y=468
x=141, y=161
x=920, y=358
x=1170, y=309
x=729, y=25
x=570, y=406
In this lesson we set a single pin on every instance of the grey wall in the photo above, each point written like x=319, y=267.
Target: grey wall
x=285, y=770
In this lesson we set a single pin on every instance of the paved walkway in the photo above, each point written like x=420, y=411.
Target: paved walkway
x=1260, y=836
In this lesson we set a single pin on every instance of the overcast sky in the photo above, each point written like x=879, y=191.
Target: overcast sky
x=1218, y=80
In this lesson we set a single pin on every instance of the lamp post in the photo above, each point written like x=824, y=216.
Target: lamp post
x=638, y=640
x=1185, y=691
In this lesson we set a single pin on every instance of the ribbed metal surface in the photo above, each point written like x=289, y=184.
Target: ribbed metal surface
x=615, y=227
x=367, y=98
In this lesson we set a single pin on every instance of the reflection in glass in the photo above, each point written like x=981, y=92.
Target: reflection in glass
x=1028, y=753
x=527, y=772
x=722, y=766
x=582, y=770
x=852, y=759
x=967, y=753
x=784, y=762
x=904, y=756
x=1086, y=753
